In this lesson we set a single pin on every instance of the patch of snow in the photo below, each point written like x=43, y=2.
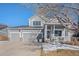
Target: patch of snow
x=51, y=47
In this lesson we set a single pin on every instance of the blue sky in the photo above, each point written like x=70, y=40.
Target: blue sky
x=17, y=14
x=14, y=14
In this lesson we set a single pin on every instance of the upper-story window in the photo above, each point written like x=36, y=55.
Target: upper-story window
x=36, y=23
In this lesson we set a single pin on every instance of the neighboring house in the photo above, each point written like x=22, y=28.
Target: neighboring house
x=41, y=28
x=3, y=33
x=3, y=29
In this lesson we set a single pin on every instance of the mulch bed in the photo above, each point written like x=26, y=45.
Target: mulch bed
x=3, y=38
x=61, y=52
x=72, y=43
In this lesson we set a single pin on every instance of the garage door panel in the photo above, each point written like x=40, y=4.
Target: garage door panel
x=29, y=36
x=14, y=36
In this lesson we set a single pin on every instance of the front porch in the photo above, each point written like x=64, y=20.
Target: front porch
x=55, y=33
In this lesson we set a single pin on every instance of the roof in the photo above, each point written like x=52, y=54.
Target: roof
x=3, y=26
x=41, y=17
x=25, y=27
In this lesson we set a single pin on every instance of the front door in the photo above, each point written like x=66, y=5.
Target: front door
x=48, y=34
x=58, y=36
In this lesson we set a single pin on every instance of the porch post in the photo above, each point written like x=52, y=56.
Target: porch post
x=51, y=33
x=64, y=33
x=53, y=30
x=45, y=32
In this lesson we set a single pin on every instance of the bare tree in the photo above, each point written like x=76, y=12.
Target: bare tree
x=56, y=10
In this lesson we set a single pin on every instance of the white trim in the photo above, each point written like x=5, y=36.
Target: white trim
x=45, y=32
x=53, y=30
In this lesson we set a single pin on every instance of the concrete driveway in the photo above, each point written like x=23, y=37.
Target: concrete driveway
x=19, y=48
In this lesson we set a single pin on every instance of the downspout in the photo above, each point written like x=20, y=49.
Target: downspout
x=78, y=23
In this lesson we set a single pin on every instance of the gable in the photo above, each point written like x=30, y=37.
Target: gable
x=36, y=18
x=53, y=20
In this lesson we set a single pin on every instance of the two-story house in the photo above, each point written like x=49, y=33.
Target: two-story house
x=41, y=28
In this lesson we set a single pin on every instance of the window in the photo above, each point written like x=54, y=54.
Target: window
x=36, y=23
x=58, y=33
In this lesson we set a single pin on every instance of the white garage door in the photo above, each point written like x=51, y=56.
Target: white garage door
x=14, y=36
x=24, y=35
x=29, y=37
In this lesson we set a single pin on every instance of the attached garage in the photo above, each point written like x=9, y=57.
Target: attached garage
x=30, y=35
x=25, y=35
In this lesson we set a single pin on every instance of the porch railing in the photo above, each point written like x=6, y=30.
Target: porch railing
x=57, y=39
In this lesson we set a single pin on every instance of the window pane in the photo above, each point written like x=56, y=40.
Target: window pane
x=58, y=33
x=36, y=23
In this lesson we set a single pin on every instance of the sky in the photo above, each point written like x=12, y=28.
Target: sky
x=17, y=14
x=14, y=14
